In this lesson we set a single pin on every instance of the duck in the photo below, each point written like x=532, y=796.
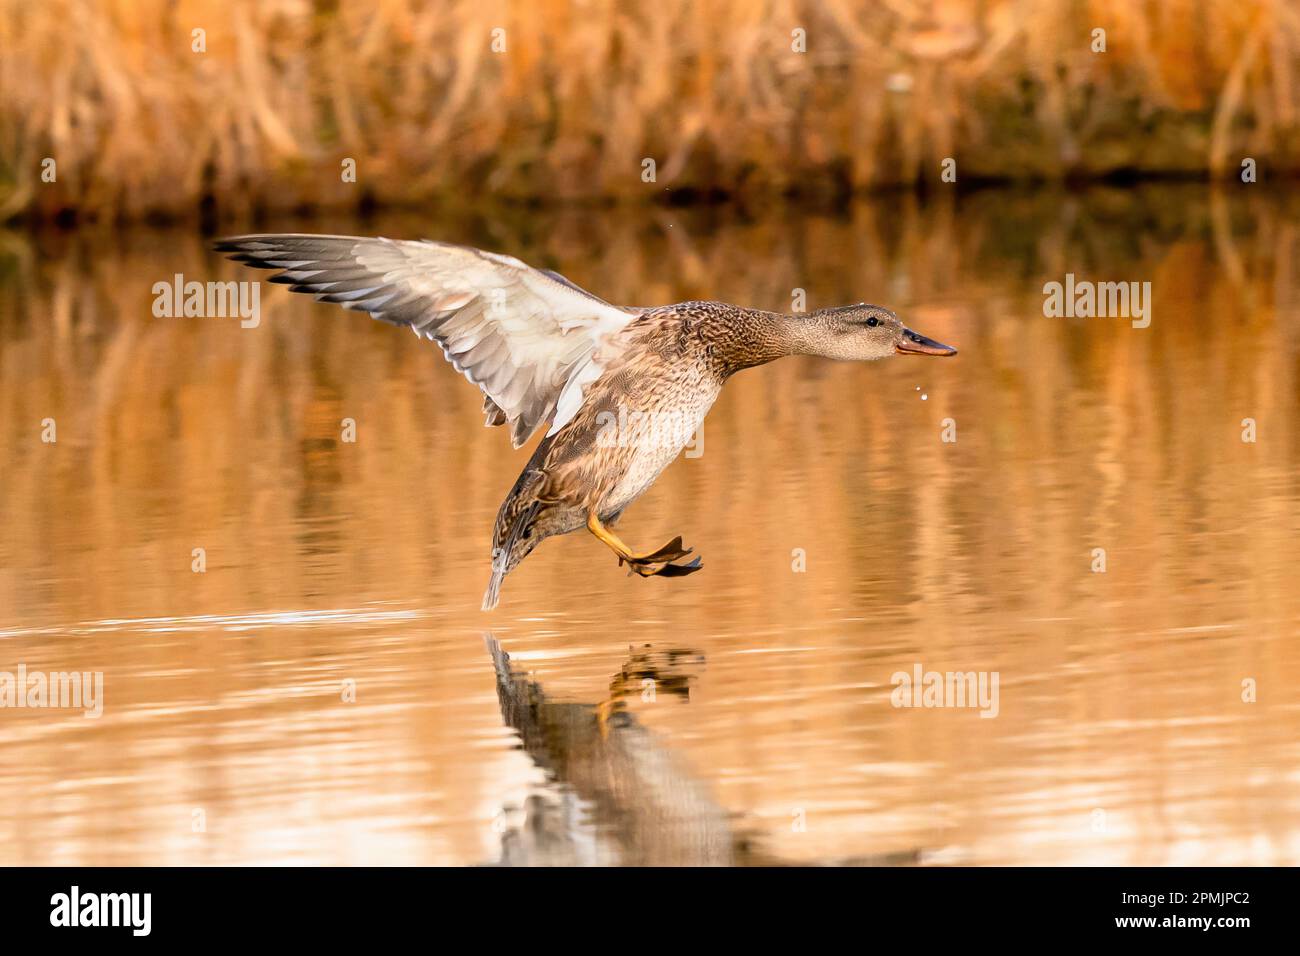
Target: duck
x=620, y=390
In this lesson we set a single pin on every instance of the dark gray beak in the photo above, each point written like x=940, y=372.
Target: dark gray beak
x=918, y=343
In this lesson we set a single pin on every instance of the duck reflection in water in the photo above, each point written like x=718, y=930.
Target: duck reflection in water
x=617, y=794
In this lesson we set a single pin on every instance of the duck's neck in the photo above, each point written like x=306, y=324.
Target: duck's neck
x=756, y=338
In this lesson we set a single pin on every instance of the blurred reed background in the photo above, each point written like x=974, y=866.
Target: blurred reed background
x=411, y=89
x=331, y=561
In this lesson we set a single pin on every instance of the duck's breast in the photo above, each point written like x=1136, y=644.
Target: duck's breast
x=647, y=426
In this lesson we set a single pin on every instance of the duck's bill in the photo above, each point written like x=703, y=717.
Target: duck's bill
x=918, y=343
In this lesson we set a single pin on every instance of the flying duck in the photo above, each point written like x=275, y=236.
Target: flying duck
x=620, y=390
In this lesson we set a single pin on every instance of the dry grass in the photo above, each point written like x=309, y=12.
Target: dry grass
x=140, y=124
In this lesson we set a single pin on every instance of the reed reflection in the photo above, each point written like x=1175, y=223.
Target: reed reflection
x=1120, y=690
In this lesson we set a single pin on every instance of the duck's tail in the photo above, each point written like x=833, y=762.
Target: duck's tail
x=506, y=553
x=493, y=593
x=511, y=539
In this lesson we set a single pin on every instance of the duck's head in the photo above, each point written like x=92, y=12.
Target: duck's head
x=862, y=332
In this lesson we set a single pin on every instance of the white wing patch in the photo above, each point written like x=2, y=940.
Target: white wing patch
x=531, y=340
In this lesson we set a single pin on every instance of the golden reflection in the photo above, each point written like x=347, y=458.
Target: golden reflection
x=615, y=794
x=329, y=562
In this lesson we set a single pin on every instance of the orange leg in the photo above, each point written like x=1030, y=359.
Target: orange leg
x=649, y=564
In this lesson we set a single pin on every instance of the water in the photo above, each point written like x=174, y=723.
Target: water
x=327, y=691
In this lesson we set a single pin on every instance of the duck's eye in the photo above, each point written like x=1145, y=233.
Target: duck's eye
x=873, y=321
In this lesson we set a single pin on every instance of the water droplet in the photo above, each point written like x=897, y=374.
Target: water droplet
x=925, y=398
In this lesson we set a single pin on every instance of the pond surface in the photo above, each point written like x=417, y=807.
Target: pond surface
x=328, y=691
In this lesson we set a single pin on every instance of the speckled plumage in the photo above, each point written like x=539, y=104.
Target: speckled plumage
x=596, y=462
x=623, y=390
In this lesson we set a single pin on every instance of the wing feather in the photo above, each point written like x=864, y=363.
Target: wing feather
x=530, y=339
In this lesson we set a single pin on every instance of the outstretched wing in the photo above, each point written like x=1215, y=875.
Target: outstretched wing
x=529, y=339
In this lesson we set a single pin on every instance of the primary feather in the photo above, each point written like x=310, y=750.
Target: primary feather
x=530, y=339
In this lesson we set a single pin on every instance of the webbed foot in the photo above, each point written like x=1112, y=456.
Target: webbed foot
x=662, y=568
x=659, y=562
x=669, y=552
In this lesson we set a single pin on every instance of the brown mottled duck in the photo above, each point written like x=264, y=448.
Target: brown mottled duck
x=622, y=389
